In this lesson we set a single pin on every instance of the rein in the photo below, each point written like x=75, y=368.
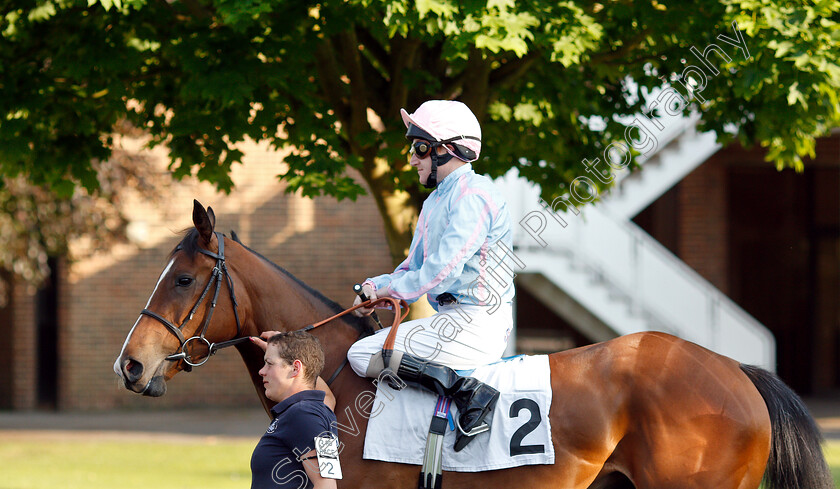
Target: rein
x=397, y=306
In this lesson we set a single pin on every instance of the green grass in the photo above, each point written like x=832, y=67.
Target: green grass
x=832, y=455
x=142, y=465
x=195, y=464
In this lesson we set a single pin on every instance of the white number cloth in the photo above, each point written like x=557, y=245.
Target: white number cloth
x=520, y=433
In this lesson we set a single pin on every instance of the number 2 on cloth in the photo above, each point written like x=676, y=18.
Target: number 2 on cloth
x=516, y=447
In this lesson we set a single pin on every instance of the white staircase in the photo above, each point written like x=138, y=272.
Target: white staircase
x=680, y=150
x=607, y=277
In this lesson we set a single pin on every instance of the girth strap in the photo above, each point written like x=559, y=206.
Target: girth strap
x=431, y=474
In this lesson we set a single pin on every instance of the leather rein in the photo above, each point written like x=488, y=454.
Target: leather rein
x=397, y=306
x=219, y=273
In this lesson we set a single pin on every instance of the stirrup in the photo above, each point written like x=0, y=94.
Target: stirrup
x=475, y=431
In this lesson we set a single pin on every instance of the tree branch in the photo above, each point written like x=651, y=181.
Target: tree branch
x=375, y=65
x=375, y=48
x=358, y=95
x=628, y=46
x=403, y=54
x=453, y=87
x=375, y=86
x=329, y=77
x=198, y=10
x=511, y=71
x=476, y=93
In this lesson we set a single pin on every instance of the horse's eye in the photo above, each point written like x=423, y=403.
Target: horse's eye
x=184, y=281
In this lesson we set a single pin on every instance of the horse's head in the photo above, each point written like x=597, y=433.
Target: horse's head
x=169, y=335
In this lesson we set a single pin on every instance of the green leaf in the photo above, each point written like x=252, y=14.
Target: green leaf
x=64, y=188
x=326, y=82
x=795, y=95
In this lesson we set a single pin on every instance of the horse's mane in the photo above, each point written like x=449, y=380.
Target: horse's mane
x=189, y=245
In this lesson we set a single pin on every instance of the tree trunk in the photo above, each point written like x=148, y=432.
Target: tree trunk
x=399, y=211
x=399, y=216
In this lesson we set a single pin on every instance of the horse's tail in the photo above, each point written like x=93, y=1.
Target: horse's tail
x=796, y=459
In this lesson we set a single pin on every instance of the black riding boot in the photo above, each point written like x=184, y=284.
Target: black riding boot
x=474, y=399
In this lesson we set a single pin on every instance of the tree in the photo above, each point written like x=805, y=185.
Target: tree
x=550, y=81
x=36, y=224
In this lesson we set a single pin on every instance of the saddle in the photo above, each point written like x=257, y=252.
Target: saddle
x=517, y=432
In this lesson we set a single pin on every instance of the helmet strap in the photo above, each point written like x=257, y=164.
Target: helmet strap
x=437, y=160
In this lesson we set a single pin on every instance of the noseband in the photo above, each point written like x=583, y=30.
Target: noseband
x=219, y=271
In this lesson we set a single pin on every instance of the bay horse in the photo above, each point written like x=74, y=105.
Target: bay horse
x=646, y=410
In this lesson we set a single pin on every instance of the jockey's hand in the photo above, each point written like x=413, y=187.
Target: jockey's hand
x=370, y=293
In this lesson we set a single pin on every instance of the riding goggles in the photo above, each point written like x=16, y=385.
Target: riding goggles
x=420, y=148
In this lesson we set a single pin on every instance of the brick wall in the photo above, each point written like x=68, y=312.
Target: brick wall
x=769, y=240
x=328, y=244
x=691, y=220
x=6, y=346
x=702, y=222
x=23, y=340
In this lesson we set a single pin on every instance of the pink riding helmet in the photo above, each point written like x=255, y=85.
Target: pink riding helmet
x=447, y=120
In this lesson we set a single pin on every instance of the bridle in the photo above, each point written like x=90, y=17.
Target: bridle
x=220, y=271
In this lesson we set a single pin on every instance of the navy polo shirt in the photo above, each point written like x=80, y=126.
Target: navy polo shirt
x=298, y=419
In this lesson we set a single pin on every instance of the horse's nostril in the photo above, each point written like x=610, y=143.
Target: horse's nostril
x=133, y=369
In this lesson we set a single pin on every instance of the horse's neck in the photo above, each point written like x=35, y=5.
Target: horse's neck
x=276, y=300
x=288, y=306
x=279, y=302
x=252, y=355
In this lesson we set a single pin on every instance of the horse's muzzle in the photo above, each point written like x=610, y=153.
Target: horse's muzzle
x=156, y=387
x=132, y=371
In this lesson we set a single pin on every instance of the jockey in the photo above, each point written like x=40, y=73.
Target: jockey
x=464, y=222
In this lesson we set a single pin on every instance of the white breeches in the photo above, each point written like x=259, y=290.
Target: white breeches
x=460, y=336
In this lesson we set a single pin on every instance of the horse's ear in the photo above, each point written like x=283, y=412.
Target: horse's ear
x=203, y=221
x=212, y=216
